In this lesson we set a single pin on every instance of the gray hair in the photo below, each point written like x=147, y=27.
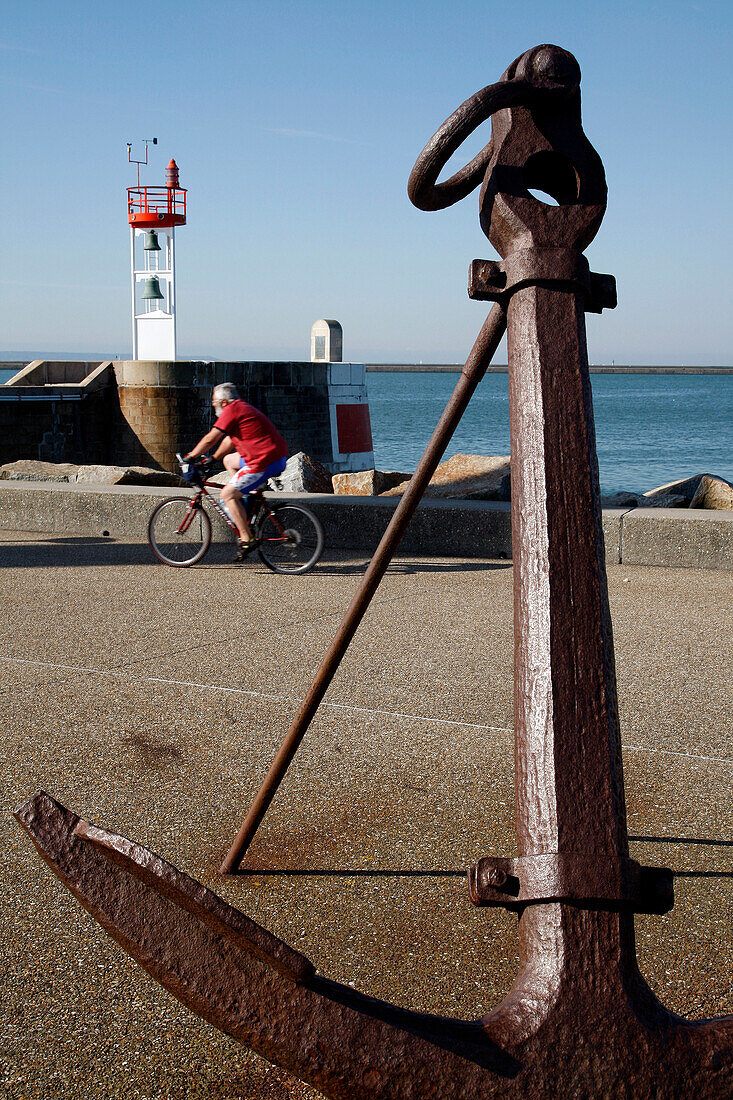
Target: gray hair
x=226, y=391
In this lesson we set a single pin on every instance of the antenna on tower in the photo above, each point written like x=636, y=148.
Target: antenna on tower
x=132, y=160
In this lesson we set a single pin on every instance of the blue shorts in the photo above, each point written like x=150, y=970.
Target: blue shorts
x=247, y=480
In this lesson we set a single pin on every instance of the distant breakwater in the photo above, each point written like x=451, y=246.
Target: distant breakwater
x=502, y=368
x=10, y=367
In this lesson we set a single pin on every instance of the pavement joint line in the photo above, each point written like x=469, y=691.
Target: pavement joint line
x=332, y=706
x=675, y=752
x=417, y=717
x=248, y=691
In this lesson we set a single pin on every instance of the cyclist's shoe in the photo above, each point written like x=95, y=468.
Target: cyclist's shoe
x=244, y=549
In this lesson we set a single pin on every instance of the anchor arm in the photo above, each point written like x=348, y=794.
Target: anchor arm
x=252, y=985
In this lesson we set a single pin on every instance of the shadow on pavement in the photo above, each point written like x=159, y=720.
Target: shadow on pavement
x=80, y=551
x=339, y=872
x=684, y=840
x=58, y=551
x=702, y=874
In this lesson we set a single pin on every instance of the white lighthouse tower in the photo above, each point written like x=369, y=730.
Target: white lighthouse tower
x=153, y=214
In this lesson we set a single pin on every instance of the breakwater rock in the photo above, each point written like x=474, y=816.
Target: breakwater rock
x=481, y=477
x=462, y=477
x=713, y=492
x=28, y=469
x=303, y=474
x=700, y=491
x=367, y=483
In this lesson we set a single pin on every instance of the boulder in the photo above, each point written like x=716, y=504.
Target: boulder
x=221, y=478
x=685, y=489
x=664, y=500
x=303, y=475
x=100, y=475
x=713, y=492
x=143, y=475
x=622, y=499
x=29, y=469
x=125, y=475
x=467, y=477
x=367, y=483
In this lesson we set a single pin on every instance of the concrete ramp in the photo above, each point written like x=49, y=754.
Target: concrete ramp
x=57, y=373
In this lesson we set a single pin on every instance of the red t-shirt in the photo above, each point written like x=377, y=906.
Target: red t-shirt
x=255, y=437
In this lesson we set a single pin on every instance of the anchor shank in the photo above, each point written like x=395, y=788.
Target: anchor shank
x=569, y=781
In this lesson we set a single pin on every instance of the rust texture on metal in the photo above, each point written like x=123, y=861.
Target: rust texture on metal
x=579, y=1020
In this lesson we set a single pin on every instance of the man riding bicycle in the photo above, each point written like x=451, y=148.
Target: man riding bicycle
x=252, y=450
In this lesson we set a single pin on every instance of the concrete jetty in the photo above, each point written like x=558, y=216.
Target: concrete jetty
x=151, y=701
x=141, y=412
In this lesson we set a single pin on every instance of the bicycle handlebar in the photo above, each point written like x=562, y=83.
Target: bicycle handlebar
x=192, y=469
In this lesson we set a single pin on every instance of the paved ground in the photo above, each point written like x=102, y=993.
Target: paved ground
x=151, y=700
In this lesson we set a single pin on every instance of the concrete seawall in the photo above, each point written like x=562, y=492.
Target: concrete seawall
x=643, y=536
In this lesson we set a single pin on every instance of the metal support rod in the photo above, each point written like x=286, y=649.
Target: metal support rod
x=478, y=360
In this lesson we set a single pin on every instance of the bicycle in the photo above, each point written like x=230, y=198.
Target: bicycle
x=179, y=529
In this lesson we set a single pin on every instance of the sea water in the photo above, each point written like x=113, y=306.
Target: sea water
x=650, y=428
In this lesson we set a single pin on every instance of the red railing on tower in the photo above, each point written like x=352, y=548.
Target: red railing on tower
x=149, y=207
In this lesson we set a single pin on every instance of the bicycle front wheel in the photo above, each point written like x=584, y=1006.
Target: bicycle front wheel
x=178, y=534
x=292, y=539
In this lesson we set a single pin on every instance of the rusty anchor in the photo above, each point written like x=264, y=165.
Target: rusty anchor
x=579, y=1020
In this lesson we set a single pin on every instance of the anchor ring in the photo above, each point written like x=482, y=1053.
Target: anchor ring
x=548, y=72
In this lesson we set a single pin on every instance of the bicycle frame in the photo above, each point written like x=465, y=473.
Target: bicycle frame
x=255, y=503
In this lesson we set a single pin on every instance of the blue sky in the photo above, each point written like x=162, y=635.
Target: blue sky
x=295, y=126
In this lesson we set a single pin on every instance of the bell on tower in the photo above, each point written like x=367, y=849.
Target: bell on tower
x=152, y=289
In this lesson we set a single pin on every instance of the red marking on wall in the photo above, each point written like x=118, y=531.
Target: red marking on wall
x=354, y=429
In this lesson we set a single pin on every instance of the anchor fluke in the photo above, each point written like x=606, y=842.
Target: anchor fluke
x=252, y=985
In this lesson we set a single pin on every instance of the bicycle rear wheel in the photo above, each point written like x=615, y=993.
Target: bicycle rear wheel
x=178, y=534
x=292, y=539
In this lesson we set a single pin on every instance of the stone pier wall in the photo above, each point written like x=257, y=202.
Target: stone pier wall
x=140, y=413
x=166, y=407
